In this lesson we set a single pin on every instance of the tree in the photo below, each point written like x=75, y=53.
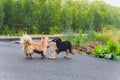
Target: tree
x=2, y=15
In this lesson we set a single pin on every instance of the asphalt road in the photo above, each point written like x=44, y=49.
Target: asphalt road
x=14, y=66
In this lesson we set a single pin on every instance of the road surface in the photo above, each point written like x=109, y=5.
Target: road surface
x=14, y=66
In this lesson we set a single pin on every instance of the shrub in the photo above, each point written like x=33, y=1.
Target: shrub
x=35, y=29
x=99, y=51
x=102, y=38
x=111, y=46
x=55, y=30
x=92, y=35
x=75, y=39
x=110, y=51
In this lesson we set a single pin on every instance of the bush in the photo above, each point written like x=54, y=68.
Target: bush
x=110, y=51
x=55, y=30
x=75, y=39
x=92, y=35
x=35, y=29
x=99, y=51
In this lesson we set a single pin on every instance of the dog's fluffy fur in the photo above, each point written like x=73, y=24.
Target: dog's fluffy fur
x=62, y=46
x=30, y=46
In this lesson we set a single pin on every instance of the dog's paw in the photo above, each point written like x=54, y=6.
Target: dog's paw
x=67, y=57
x=43, y=57
x=27, y=57
x=51, y=58
x=64, y=57
x=31, y=58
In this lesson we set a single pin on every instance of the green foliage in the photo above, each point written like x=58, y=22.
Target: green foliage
x=35, y=29
x=75, y=39
x=55, y=30
x=110, y=51
x=38, y=16
x=118, y=50
x=111, y=46
x=117, y=58
x=108, y=56
x=102, y=38
x=99, y=51
x=92, y=35
x=5, y=30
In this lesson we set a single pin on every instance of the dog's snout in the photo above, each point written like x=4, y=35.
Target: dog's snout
x=53, y=40
x=48, y=46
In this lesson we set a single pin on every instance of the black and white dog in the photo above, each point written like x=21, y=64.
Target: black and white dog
x=62, y=46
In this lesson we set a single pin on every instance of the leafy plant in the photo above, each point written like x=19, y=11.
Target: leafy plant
x=99, y=51
x=118, y=50
x=111, y=46
x=108, y=56
x=110, y=51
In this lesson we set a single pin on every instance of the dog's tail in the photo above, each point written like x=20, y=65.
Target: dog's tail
x=25, y=40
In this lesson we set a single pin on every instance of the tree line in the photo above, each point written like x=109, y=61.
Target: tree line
x=56, y=16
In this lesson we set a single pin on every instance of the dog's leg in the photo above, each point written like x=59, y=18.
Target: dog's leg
x=44, y=53
x=27, y=55
x=54, y=55
x=30, y=55
x=68, y=54
x=43, y=56
x=71, y=51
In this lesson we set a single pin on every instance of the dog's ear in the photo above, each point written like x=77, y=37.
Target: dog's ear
x=43, y=37
x=59, y=40
x=25, y=34
x=54, y=40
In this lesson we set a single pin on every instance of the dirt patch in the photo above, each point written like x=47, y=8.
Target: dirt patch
x=89, y=49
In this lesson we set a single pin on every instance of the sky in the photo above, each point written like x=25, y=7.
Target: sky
x=112, y=2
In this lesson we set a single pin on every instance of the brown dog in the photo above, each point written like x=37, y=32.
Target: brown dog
x=29, y=46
